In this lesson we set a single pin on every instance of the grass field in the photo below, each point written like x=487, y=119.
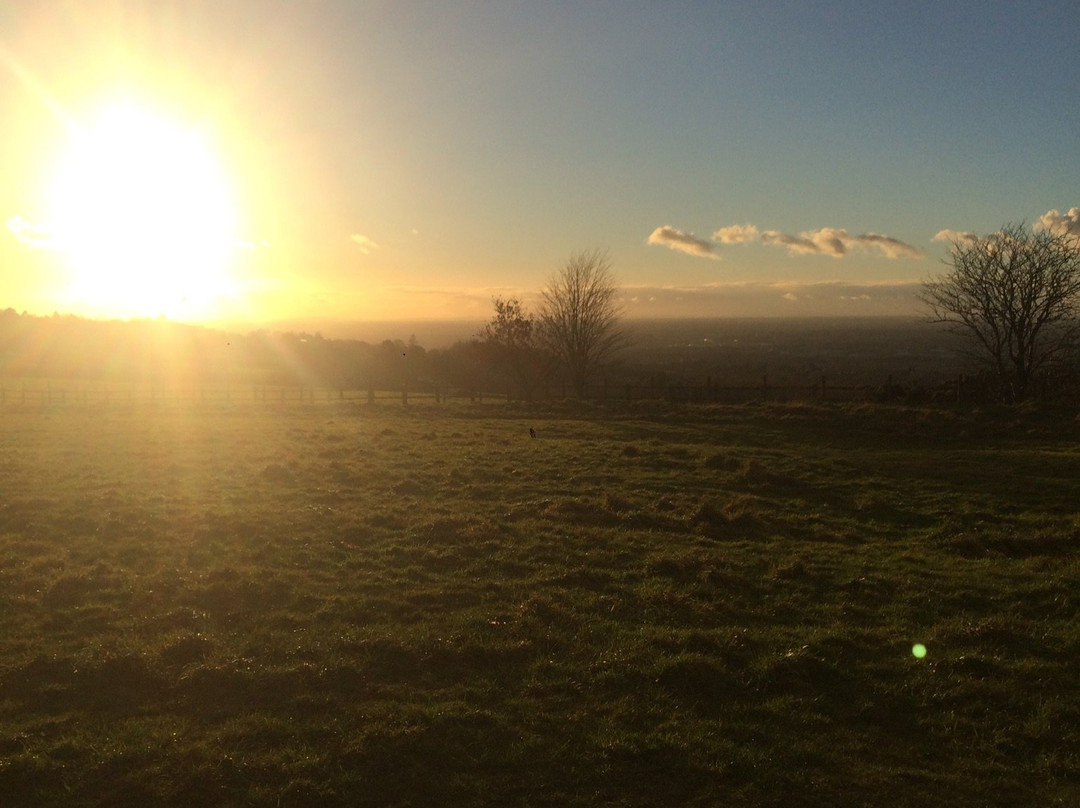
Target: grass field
x=377, y=606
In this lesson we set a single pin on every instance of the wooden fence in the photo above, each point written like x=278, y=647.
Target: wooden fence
x=40, y=393
x=710, y=393
x=37, y=393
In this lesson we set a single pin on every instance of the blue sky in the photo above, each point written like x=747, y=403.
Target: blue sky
x=408, y=159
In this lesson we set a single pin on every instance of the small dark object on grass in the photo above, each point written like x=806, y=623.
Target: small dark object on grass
x=532, y=432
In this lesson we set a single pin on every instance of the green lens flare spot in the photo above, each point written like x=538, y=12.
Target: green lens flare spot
x=918, y=650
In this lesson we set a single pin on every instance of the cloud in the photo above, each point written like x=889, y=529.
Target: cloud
x=736, y=234
x=675, y=239
x=366, y=245
x=796, y=245
x=832, y=241
x=826, y=241
x=829, y=240
x=1060, y=223
x=30, y=234
x=889, y=246
x=1052, y=221
x=837, y=242
x=955, y=236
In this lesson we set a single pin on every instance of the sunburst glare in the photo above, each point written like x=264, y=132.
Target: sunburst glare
x=141, y=208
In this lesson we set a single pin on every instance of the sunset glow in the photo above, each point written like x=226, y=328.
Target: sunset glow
x=141, y=211
x=398, y=161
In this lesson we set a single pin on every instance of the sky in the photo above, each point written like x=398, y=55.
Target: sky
x=412, y=160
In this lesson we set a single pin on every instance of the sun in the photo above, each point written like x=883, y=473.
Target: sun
x=142, y=211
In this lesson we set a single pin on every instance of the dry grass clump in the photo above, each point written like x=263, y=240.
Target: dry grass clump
x=734, y=517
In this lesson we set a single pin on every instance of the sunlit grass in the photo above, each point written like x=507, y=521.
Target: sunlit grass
x=383, y=606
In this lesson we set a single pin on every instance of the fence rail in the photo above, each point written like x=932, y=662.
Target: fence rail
x=35, y=393
x=42, y=393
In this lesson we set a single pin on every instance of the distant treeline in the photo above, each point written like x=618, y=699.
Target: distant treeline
x=161, y=350
x=663, y=359
x=166, y=352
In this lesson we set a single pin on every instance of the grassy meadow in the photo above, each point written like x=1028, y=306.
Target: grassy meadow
x=361, y=605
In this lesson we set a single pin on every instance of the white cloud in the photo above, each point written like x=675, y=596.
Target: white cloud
x=675, y=239
x=836, y=242
x=736, y=234
x=1060, y=223
x=829, y=240
x=796, y=245
x=30, y=234
x=889, y=246
x=1052, y=221
x=832, y=241
x=366, y=245
x=954, y=236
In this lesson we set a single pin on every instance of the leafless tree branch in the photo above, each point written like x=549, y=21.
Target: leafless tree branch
x=1016, y=294
x=579, y=318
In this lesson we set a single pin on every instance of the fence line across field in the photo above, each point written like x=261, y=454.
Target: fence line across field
x=49, y=393
x=97, y=393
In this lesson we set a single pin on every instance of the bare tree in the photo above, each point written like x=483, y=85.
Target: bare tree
x=1016, y=294
x=579, y=318
x=510, y=340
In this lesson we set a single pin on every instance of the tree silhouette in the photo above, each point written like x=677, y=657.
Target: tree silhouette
x=1015, y=293
x=579, y=320
x=509, y=339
